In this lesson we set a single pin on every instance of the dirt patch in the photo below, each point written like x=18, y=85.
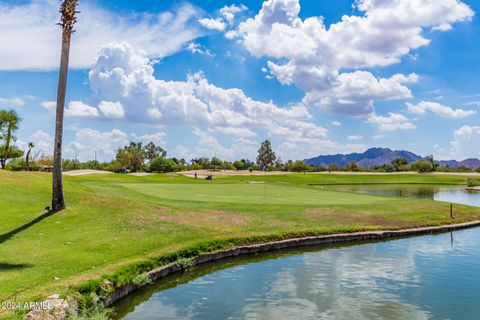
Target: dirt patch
x=211, y=219
x=346, y=218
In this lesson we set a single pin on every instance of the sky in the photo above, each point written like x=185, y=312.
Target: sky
x=215, y=78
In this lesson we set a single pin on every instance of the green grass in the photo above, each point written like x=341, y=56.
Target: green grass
x=120, y=226
x=473, y=182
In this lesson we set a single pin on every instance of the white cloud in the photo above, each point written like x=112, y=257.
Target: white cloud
x=33, y=25
x=439, y=109
x=229, y=12
x=336, y=123
x=78, y=109
x=392, y=122
x=196, y=48
x=88, y=141
x=11, y=102
x=355, y=137
x=158, y=138
x=112, y=110
x=49, y=105
x=312, y=57
x=125, y=75
x=355, y=93
x=213, y=24
x=465, y=140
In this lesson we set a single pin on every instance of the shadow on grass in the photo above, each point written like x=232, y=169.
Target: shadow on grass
x=6, y=236
x=5, y=266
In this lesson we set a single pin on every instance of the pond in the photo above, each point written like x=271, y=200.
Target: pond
x=453, y=194
x=428, y=277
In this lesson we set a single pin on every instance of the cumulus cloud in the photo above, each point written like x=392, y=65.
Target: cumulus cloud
x=88, y=141
x=213, y=24
x=112, y=110
x=49, y=105
x=229, y=12
x=311, y=56
x=33, y=25
x=78, y=109
x=124, y=75
x=16, y=102
x=392, y=122
x=439, y=109
x=336, y=123
x=465, y=138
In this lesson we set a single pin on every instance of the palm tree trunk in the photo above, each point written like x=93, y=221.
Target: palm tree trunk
x=28, y=159
x=58, y=200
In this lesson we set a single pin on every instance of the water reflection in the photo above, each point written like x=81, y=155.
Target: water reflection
x=451, y=194
x=414, y=278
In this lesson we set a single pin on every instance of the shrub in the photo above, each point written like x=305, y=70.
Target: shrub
x=422, y=166
x=478, y=170
x=473, y=182
x=185, y=263
x=142, y=279
x=239, y=165
x=299, y=166
x=161, y=164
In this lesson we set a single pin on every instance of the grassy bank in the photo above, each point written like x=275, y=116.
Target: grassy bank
x=117, y=225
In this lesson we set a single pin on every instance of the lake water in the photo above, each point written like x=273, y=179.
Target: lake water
x=427, y=277
x=453, y=194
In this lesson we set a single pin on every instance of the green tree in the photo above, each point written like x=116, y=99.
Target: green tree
x=398, y=163
x=9, y=121
x=239, y=165
x=332, y=167
x=31, y=145
x=161, y=164
x=132, y=156
x=422, y=166
x=266, y=155
x=299, y=166
x=478, y=170
x=352, y=166
x=215, y=162
x=153, y=151
x=68, y=20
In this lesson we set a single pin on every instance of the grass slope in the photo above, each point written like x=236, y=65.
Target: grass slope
x=114, y=221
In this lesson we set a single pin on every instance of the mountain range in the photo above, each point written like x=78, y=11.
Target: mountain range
x=380, y=156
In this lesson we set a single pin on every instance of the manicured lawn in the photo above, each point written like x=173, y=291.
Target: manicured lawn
x=116, y=220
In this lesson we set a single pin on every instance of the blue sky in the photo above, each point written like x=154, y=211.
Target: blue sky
x=215, y=78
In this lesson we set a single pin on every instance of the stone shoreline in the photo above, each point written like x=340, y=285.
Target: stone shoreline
x=159, y=273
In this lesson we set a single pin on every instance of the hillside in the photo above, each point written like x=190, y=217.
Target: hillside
x=380, y=156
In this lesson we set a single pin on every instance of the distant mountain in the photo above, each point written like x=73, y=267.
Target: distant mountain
x=380, y=156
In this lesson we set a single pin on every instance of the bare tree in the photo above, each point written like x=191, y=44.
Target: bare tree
x=68, y=20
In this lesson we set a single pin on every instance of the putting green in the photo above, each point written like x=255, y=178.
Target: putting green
x=252, y=194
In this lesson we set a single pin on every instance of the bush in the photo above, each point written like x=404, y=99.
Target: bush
x=114, y=166
x=16, y=165
x=473, y=182
x=161, y=164
x=228, y=166
x=478, y=170
x=239, y=165
x=422, y=166
x=299, y=166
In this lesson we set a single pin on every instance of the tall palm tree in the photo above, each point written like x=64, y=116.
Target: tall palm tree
x=67, y=9
x=9, y=121
x=31, y=145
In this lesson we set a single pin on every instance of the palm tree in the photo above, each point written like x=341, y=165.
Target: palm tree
x=67, y=9
x=31, y=145
x=9, y=121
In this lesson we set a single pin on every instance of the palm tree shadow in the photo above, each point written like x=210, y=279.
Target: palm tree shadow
x=5, y=266
x=6, y=236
